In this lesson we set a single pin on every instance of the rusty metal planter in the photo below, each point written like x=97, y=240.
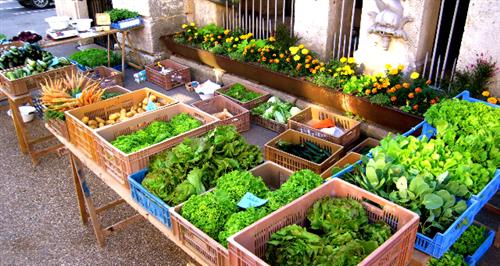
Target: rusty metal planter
x=388, y=117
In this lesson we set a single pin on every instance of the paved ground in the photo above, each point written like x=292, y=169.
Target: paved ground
x=39, y=221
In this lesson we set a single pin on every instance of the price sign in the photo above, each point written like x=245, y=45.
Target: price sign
x=249, y=200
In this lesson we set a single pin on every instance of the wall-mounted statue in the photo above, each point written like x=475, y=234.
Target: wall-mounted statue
x=389, y=21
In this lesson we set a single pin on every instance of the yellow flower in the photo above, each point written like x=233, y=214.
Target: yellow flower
x=492, y=100
x=307, y=65
x=296, y=58
x=226, y=32
x=301, y=46
x=184, y=26
x=401, y=67
x=414, y=75
x=343, y=60
x=485, y=93
x=272, y=39
x=394, y=71
x=388, y=66
x=212, y=39
x=237, y=39
x=351, y=60
x=305, y=51
x=322, y=69
x=192, y=24
x=293, y=50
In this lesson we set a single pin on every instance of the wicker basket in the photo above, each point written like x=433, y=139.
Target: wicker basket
x=302, y=121
x=82, y=136
x=107, y=76
x=22, y=86
x=121, y=165
x=269, y=124
x=211, y=251
x=367, y=143
x=296, y=163
x=249, y=245
x=250, y=104
x=58, y=126
x=349, y=159
x=179, y=76
x=241, y=116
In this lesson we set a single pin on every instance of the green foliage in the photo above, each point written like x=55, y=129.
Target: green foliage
x=357, y=85
x=344, y=236
x=475, y=78
x=470, y=240
x=275, y=109
x=448, y=259
x=284, y=39
x=235, y=184
x=380, y=99
x=297, y=185
x=241, y=93
x=53, y=114
x=238, y=221
x=3, y=37
x=117, y=14
x=94, y=57
x=206, y=158
x=156, y=132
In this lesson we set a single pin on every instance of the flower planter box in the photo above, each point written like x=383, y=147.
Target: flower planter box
x=240, y=118
x=119, y=164
x=108, y=76
x=295, y=163
x=389, y=117
x=249, y=246
x=178, y=76
x=83, y=137
x=250, y=104
x=302, y=122
x=127, y=23
x=22, y=86
x=211, y=251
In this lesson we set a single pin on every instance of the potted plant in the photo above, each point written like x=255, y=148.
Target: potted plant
x=123, y=18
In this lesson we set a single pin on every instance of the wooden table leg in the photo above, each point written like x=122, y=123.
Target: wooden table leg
x=89, y=203
x=124, y=54
x=79, y=192
x=109, y=50
x=19, y=126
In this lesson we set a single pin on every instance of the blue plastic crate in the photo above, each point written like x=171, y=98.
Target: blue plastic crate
x=474, y=258
x=465, y=95
x=154, y=205
x=119, y=25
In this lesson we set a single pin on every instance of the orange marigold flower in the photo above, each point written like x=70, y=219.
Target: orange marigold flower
x=307, y=65
x=433, y=101
x=374, y=91
x=394, y=98
x=418, y=90
x=264, y=58
x=411, y=95
x=428, y=82
x=397, y=86
x=415, y=107
x=282, y=55
x=276, y=61
x=406, y=85
x=492, y=100
x=367, y=92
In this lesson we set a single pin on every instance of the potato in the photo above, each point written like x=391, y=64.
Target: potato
x=114, y=116
x=129, y=114
x=145, y=102
x=133, y=108
x=152, y=98
x=110, y=122
x=85, y=119
x=92, y=123
x=140, y=110
x=92, y=126
x=134, y=112
x=99, y=120
x=101, y=124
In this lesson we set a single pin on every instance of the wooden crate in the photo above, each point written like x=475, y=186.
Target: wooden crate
x=107, y=76
x=303, y=120
x=207, y=248
x=117, y=89
x=367, y=143
x=22, y=86
x=349, y=159
x=269, y=124
x=250, y=104
x=241, y=116
x=121, y=165
x=295, y=163
x=83, y=137
x=8, y=45
x=59, y=126
x=179, y=76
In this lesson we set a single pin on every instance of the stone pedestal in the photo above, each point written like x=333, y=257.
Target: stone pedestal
x=482, y=20
x=420, y=33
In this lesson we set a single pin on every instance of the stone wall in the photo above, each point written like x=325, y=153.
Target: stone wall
x=482, y=35
x=73, y=9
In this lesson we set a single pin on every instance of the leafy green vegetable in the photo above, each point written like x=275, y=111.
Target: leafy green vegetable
x=238, y=221
x=209, y=211
x=337, y=214
x=275, y=109
x=156, y=132
x=448, y=259
x=108, y=95
x=94, y=57
x=237, y=183
x=53, y=114
x=220, y=151
x=117, y=14
x=470, y=240
x=297, y=185
x=306, y=150
x=293, y=245
x=241, y=93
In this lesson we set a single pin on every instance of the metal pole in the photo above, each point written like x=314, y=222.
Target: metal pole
x=425, y=63
x=436, y=38
x=341, y=26
x=449, y=39
x=275, y=14
x=352, y=26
